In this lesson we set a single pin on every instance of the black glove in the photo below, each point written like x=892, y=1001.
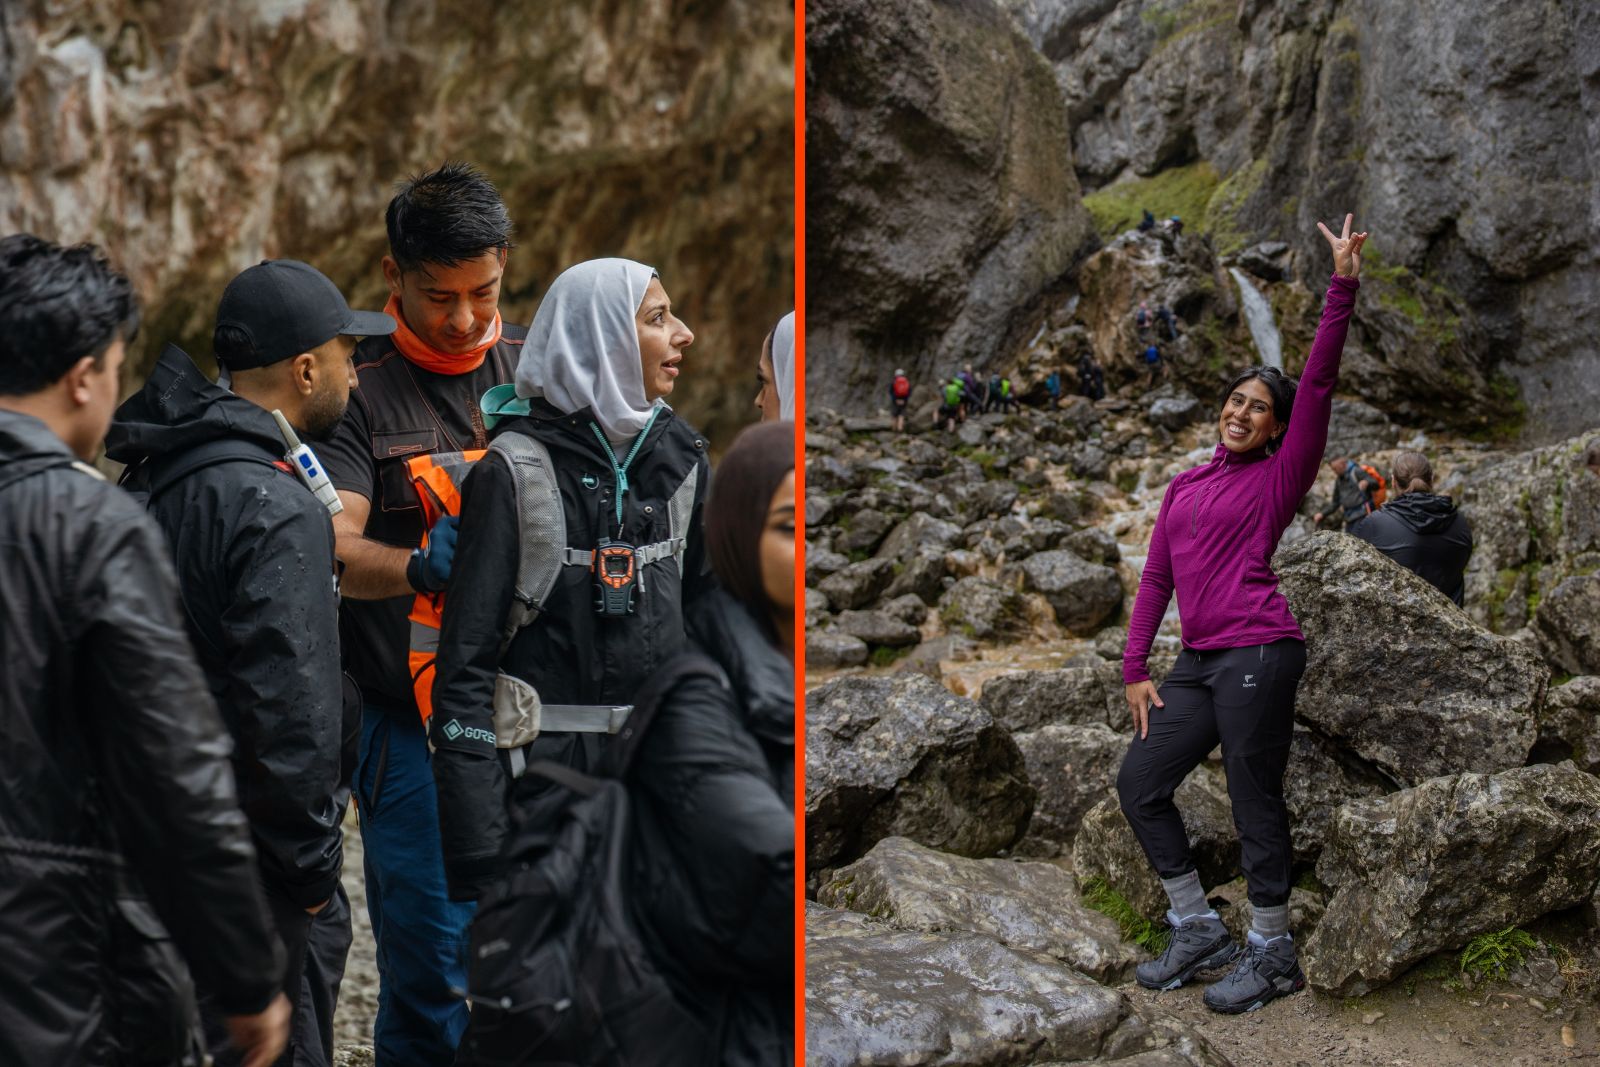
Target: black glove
x=429, y=568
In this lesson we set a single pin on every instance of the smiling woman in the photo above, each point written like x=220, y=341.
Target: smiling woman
x=1243, y=654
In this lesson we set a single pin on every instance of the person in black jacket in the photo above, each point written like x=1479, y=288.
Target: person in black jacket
x=714, y=777
x=115, y=788
x=602, y=353
x=254, y=552
x=1421, y=531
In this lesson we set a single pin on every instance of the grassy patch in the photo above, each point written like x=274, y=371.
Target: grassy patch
x=1181, y=191
x=1309, y=882
x=1099, y=895
x=1438, y=968
x=884, y=656
x=1226, y=202
x=1492, y=956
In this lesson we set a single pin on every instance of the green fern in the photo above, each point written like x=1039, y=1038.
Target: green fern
x=1099, y=895
x=1494, y=955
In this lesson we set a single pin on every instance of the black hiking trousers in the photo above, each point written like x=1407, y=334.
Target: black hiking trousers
x=1243, y=698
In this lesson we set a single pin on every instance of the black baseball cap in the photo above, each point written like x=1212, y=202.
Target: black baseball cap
x=288, y=307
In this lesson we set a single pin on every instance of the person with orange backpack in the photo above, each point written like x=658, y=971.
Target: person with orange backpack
x=1358, y=491
x=900, y=398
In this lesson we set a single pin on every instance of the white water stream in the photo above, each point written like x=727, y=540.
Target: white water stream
x=1263, y=327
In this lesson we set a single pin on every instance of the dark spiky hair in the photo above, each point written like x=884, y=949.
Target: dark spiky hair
x=446, y=217
x=57, y=305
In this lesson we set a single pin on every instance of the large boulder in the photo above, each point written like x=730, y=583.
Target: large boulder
x=1032, y=906
x=1568, y=619
x=983, y=609
x=830, y=648
x=1027, y=700
x=1397, y=673
x=1083, y=595
x=1106, y=848
x=877, y=628
x=921, y=575
x=878, y=995
x=1429, y=868
x=904, y=756
x=1074, y=768
x=916, y=531
x=859, y=584
x=936, y=137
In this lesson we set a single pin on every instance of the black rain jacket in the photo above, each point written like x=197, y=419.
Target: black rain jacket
x=713, y=789
x=1426, y=534
x=570, y=654
x=254, y=554
x=115, y=789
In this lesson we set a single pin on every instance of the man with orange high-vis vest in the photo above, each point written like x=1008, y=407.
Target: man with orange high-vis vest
x=417, y=396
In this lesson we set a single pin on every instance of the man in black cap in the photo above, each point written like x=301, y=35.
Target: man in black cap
x=225, y=478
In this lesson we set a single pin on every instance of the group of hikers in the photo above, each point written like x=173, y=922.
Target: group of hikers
x=963, y=394
x=444, y=566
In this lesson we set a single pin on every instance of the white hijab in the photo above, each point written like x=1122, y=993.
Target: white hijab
x=582, y=350
x=783, y=364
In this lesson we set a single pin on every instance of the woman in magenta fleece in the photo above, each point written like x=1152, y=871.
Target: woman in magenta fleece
x=1242, y=658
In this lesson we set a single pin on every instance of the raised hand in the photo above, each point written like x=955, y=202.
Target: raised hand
x=1346, y=248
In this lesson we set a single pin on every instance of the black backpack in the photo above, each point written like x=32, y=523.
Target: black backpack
x=558, y=973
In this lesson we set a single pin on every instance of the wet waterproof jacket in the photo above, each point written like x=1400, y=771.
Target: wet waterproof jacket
x=114, y=768
x=713, y=789
x=1220, y=523
x=570, y=654
x=254, y=555
x=1425, y=534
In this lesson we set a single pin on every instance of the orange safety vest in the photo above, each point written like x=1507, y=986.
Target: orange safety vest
x=438, y=479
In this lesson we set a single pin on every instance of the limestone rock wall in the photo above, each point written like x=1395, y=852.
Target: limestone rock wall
x=192, y=139
x=941, y=201
x=1465, y=137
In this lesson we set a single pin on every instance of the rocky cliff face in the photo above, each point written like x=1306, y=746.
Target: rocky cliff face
x=942, y=205
x=193, y=139
x=1468, y=143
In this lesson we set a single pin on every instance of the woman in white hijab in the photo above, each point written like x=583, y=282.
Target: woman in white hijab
x=775, y=373
x=602, y=354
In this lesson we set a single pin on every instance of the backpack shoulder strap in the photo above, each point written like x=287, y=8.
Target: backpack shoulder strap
x=541, y=527
x=169, y=472
x=619, y=756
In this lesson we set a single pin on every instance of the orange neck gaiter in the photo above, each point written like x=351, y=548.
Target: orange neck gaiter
x=423, y=355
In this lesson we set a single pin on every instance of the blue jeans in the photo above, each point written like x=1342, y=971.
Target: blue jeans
x=421, y=934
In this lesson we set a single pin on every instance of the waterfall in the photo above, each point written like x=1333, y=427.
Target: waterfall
x=1263, y=327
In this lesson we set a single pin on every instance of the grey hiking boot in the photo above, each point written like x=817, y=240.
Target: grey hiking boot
x=1266, y=970
x=1201, y=943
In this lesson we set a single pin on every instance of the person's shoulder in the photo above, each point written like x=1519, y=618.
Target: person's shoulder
x=373, y=352
x=513, y=334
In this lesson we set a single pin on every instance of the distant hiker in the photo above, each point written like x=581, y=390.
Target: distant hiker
x=1164, y=313
x=586, y=422
x=1175, y=225
x=1243, y=654
x=1421, y=531
x=1007, y=399
x=123, y=836
x=993, y=401
x=951, y=403
x=1091, y=377
x=1354, y=487
x=253, y=548
x=449, y=238
x=1141, y=320
x=899, y=398
x=1152, y=361
x=1052, y=387
x=775, y=373
x=1148, y=222
x=973, y=393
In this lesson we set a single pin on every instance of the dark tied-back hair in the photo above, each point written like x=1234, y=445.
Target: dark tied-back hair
x=446, y=217
x=1279, y=385
x=736, y=513
x=57, y=305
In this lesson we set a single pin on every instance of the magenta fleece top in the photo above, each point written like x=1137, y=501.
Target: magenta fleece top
x=1220, y=523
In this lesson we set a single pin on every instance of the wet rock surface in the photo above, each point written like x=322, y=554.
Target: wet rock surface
x=1029, y=906
x=1083, y=595
x=1430, y=867
x=905, y=757
x=877, y=995
x=1073, y=768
